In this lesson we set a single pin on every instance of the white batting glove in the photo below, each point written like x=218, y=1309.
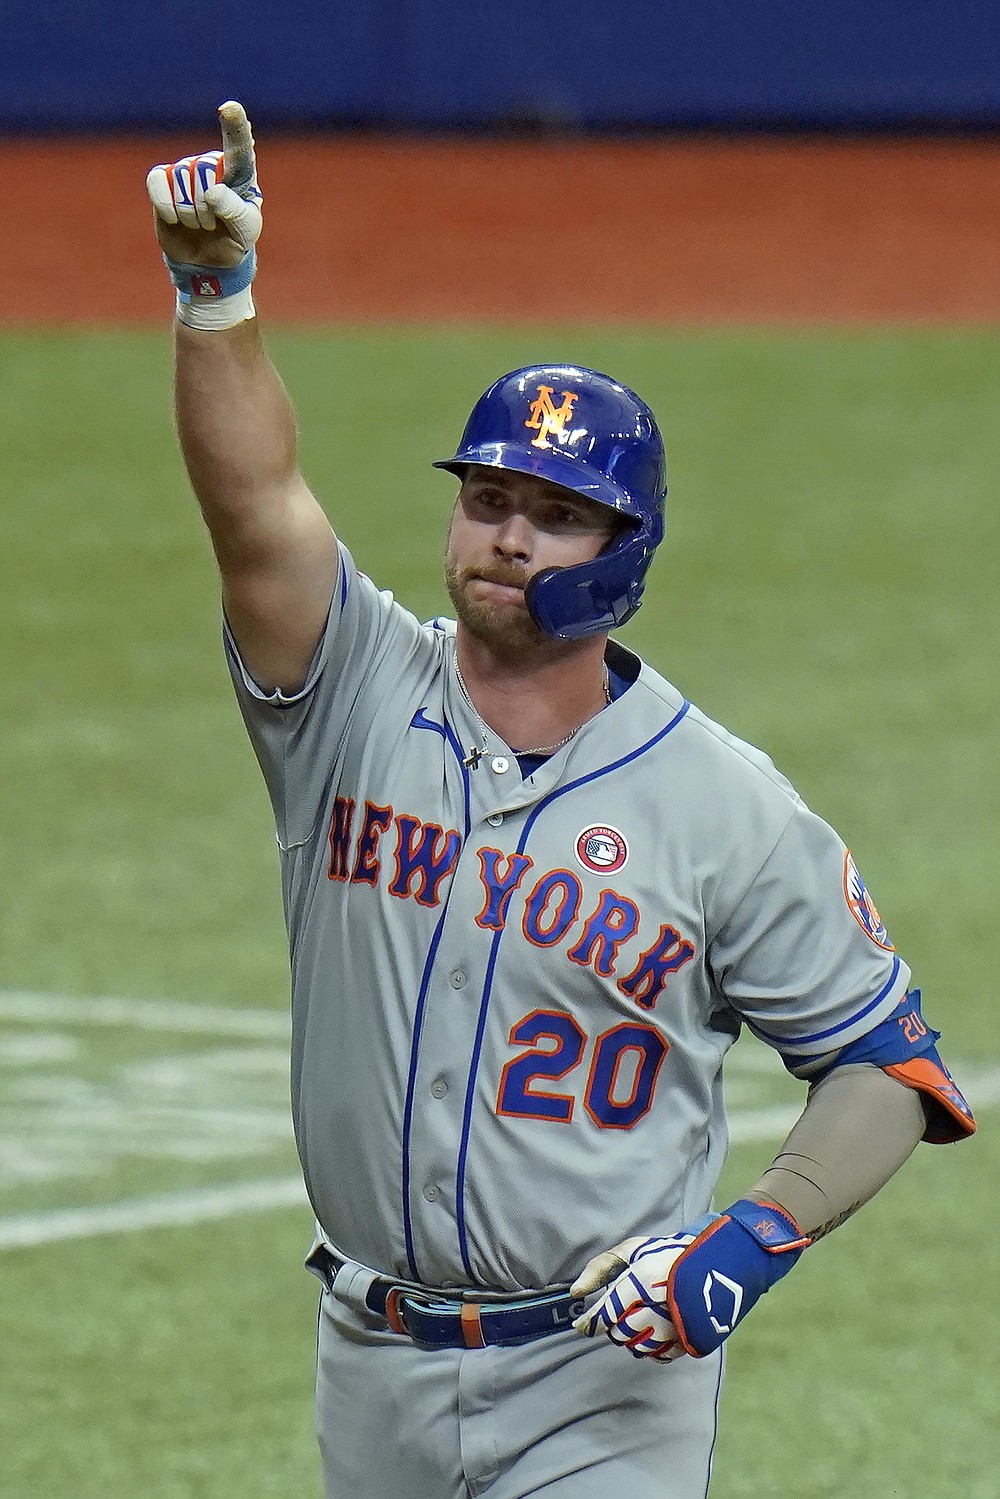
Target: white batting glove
x=632, y=1311
x=688, y=1292
x=207, y=214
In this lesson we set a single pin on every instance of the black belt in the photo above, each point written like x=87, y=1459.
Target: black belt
x=435, y=1320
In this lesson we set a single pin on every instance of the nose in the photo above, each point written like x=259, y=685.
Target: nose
x=514, y=538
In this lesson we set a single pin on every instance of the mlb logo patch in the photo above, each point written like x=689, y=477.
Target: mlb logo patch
x=206, y=286
x=602, y=849
x=862, y=906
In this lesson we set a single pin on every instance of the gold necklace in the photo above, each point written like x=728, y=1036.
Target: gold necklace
x=475, y=755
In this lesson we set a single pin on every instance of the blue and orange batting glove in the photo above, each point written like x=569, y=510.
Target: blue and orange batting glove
x=687, y=1292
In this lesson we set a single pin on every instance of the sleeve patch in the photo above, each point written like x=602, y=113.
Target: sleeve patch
x=862, y=907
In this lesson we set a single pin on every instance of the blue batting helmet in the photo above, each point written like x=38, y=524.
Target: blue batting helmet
x=582, y=430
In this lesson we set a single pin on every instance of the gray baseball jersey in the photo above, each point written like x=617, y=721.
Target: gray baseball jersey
x=512, y=997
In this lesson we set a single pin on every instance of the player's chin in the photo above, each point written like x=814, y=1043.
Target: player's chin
x=500, y=623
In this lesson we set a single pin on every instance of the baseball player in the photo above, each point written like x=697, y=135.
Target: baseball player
x=532, y=896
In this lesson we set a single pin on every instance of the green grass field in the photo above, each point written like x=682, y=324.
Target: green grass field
x=828, y=589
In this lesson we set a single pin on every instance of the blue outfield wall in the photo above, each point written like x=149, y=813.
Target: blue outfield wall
x=104, y=64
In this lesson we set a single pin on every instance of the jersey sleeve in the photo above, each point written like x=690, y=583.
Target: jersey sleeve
x=368, y=639
x=804, y=958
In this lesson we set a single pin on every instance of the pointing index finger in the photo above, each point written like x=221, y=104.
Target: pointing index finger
x=237, y=145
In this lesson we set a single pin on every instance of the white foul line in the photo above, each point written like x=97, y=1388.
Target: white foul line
x=143, y=1014
x=170, y=1209
x=199, y=1204
x=207, y=1204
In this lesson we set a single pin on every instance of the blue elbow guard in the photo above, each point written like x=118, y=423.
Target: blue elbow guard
x=904, y=1047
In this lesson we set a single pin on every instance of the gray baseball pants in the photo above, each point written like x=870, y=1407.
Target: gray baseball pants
x=563, y=1417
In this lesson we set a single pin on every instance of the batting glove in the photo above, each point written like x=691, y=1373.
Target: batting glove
x=207, y=213
x=686, y=1293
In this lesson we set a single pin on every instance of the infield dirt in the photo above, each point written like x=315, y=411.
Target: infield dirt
x=646, y=232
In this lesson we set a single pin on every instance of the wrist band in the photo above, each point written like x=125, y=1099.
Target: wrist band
x=215, y=314
x=211, y=281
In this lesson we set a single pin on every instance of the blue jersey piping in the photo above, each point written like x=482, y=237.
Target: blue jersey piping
x=491, y=965
x=834, y=1030
x=715, y=1420
x=421, y=721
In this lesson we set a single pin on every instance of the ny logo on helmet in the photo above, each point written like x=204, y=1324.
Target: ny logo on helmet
x=546, y=418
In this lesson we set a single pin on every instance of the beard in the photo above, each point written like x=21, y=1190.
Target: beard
x=506, y=627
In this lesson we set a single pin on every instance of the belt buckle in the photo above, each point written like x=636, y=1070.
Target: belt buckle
x=396, y=1298
x=393, y=1315
x=467, y=1314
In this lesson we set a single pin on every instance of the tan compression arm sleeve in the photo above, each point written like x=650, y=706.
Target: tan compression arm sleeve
x=858, y=1127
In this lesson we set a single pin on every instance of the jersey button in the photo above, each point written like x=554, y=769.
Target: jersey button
x=500, y=765
x=495, y=819
x=439, y=1088
x=457, y=979
x=432, y=1193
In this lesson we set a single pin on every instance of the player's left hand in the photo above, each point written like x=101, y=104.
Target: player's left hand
x=686, y=1293
x=633, y=1310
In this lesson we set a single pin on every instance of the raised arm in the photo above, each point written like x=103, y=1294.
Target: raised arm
x=275, y=548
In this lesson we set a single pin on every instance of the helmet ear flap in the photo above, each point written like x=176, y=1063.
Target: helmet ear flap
x=593, y=597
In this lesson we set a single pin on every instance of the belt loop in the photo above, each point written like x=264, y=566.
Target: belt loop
x=321, y=1263
x=472, y=1326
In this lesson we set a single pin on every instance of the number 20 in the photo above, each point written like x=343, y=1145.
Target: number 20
x=517, y=1097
